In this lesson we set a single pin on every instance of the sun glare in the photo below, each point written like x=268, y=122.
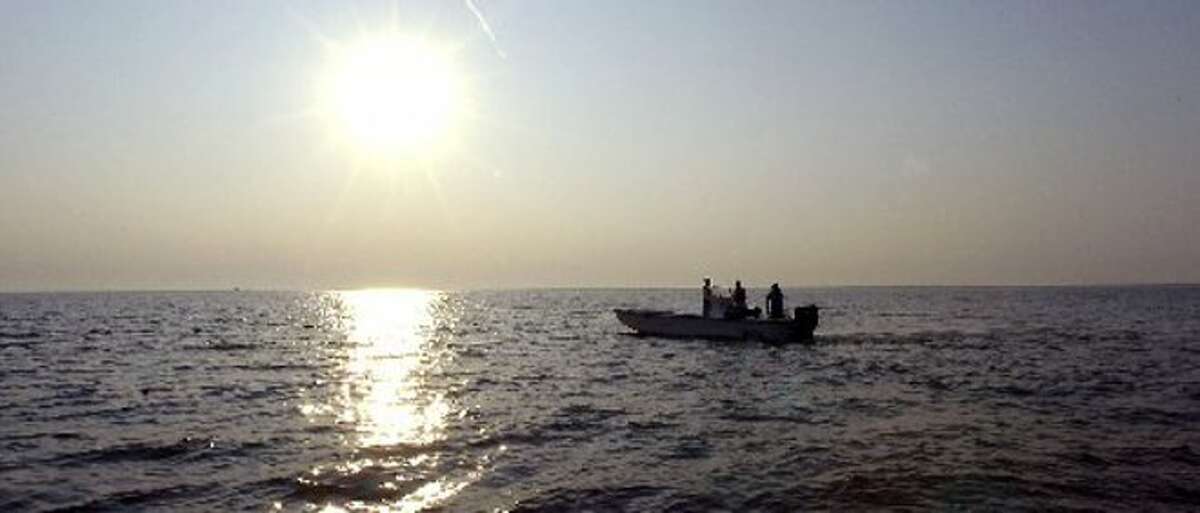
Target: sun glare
x=392, y=94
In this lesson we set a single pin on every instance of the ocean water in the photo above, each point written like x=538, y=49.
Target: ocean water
x=401, y=400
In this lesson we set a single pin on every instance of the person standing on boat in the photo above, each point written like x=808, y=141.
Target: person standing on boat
x=737, y=308
x=707, y=294
x=775, y=303
x=739, y=296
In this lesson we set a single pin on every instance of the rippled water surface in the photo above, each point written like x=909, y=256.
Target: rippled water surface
x=395, y=400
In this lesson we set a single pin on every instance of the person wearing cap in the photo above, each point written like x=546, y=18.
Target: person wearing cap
x=707, y=294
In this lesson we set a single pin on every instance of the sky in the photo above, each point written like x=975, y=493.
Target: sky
x=186, y=145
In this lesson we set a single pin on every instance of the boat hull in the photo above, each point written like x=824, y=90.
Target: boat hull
x=669, y=324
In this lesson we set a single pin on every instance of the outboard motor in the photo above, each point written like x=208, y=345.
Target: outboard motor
x=806, y=317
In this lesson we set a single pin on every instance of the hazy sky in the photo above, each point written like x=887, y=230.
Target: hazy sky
x=171, y=144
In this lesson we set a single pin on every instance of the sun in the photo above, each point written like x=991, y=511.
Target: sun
x=389, y=94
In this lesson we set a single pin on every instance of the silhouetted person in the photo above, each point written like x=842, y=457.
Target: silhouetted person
x=739, y=295
x=737, y=306
x=707, y=293
x=775, y=303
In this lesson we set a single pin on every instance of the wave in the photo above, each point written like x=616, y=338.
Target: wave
x=622, y=498
x=221, y=345
x=139, y=452
x=140, y=498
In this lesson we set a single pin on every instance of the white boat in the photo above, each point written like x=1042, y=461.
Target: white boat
x=661, y=323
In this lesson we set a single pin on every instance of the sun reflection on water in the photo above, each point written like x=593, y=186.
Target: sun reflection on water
x=389, y=330
x=392, y=413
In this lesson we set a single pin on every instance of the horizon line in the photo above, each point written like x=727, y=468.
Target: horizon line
x=583, y=287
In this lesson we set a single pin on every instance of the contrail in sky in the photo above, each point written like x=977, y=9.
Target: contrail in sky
x=487, y=29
